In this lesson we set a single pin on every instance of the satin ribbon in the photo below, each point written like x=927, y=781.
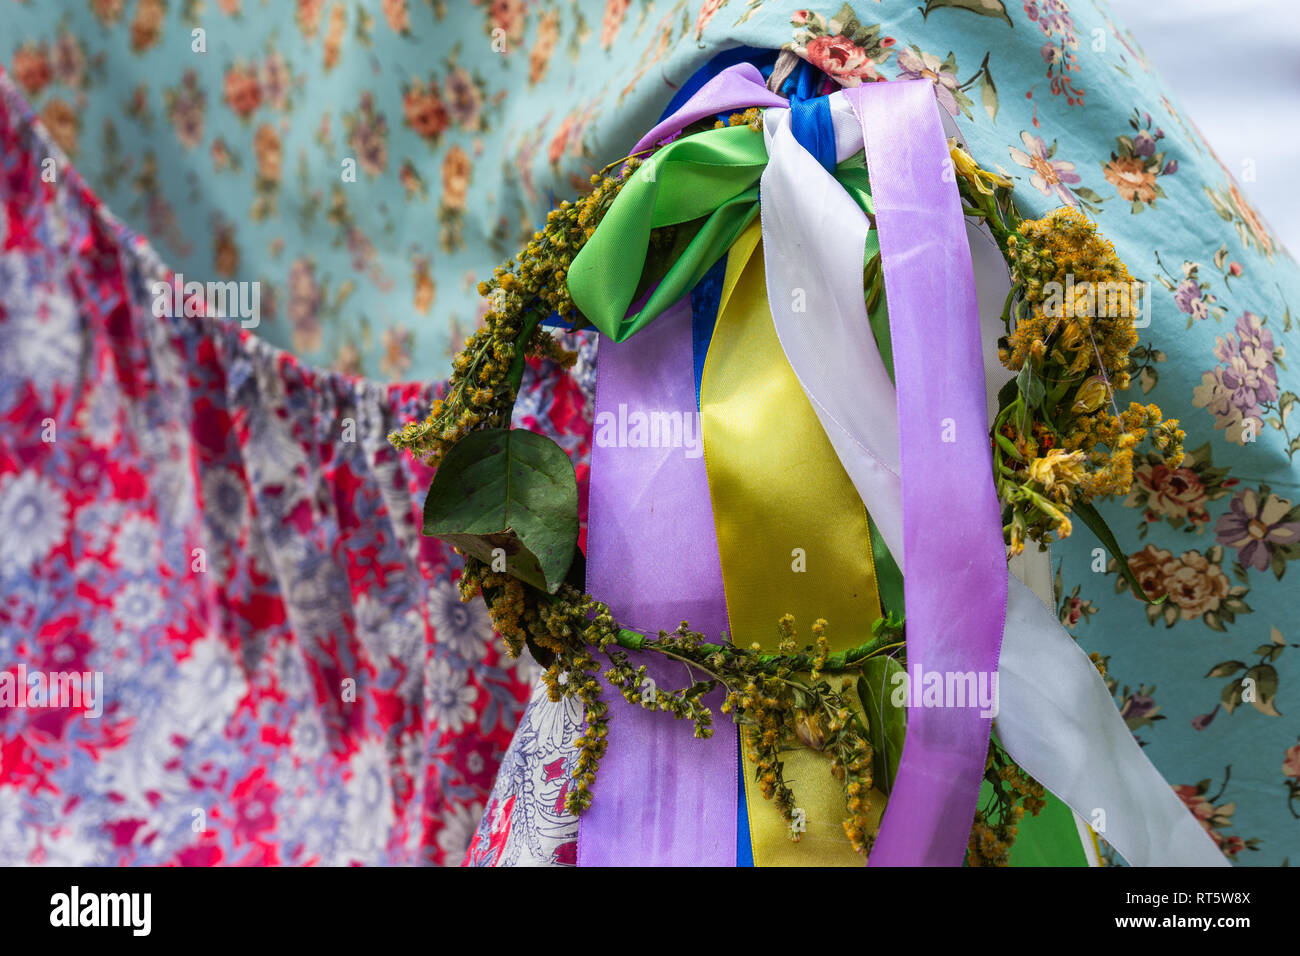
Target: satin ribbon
x=1062, y=728
x=734, y=89
x=810, y=116
x=714, y=180
x=956, y=596
x=1056, y=717
x=663, y=798
x=792, y=536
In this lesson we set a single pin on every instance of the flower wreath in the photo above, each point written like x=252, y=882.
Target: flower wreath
x=1059, y=440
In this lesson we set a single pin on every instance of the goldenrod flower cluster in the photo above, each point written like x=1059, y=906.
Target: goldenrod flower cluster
x=523, y=291
x=996, y=825
x=481, y=390
x=1064, y=267
x=752, y=117
x=1063, y=441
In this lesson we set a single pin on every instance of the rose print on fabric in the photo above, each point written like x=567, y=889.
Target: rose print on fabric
x=1193, y=583
x=1263, y=528
x=187, y=108
x=457, y=169
x=1054, y=20
x=842, y=47
x=1137, y=706
x=915, y=64
x=1072, y=608
x=423, y=109
x=366, y=134
x=1232, y=207
x=1178, y=496
x=1192, y=295
x=1054, y=178
x=1214, y=815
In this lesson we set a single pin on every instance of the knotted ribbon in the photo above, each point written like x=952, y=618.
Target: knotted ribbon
x=1069, y=735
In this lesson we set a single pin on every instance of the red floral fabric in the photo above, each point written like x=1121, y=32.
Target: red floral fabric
x=220, y=543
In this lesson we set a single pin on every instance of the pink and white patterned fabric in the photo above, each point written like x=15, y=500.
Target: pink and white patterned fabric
x=227, y=540
x=525, y=823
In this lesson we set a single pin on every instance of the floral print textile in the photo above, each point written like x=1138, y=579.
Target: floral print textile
x=368, y=161
x=226, y=538
x=1059, y=97
x=371, y=160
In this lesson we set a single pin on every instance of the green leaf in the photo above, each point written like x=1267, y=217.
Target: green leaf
x=1285, y=402
x=1097, y=525
x=886, y=724
x=985, y=8
x=1031, y=386
x=989, y=93
x=1007, y=393
x=1226, y=669
x=510, y=489
x=1265, y=678
x=1231, y=696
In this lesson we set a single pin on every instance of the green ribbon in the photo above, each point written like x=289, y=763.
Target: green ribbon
x=707, y=184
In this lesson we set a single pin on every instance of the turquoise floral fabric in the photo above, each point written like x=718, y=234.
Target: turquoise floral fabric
x=368, y=162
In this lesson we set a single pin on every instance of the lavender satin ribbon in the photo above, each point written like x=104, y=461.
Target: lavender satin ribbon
x=663, y=798
x=736, y=88
x=952, y=533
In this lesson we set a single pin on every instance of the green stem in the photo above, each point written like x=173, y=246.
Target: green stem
x=1006, y=307
x=836, y=663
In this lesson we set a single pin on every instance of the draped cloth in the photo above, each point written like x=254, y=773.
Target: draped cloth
x=225, y=539
x=1079, y=748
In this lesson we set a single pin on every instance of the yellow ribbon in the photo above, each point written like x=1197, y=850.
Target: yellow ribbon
x=792, y=536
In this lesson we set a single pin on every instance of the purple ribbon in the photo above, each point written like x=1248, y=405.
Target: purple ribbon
x=736, y=88
x=955, y=562
x=663, y=798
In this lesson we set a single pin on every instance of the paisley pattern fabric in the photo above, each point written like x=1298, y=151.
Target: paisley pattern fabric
x=222, y=543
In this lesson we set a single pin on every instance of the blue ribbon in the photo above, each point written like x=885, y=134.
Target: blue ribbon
x=810, y=115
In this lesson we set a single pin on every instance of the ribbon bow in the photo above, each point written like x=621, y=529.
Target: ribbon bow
x=712, y=181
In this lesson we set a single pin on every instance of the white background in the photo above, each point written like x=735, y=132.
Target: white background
x=1234, y=68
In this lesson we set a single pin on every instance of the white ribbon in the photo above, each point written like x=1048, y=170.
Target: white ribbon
x=1056, y=717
